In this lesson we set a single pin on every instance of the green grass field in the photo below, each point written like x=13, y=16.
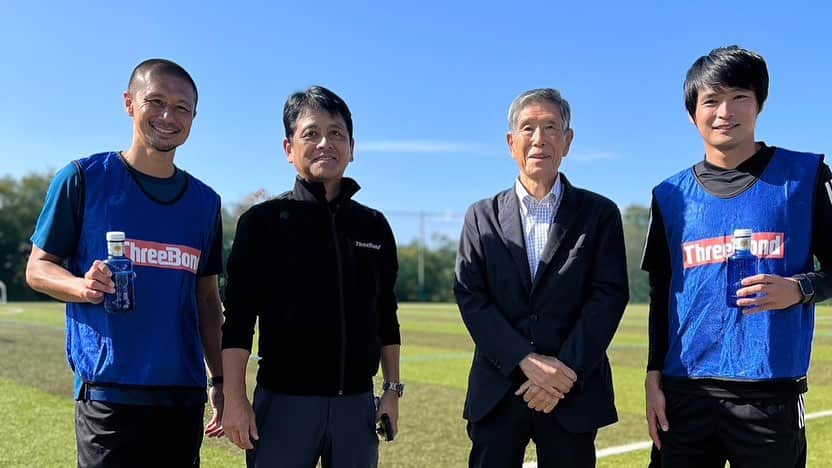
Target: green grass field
x=37, y=410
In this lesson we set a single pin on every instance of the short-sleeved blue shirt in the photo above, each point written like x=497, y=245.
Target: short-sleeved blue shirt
x=59, y=224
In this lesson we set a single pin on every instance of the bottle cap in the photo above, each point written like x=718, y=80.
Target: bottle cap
x=742, y=232
x=115, y=236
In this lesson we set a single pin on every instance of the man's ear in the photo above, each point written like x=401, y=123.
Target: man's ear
x=128, y=103
x=287, y=147
x=568, y=136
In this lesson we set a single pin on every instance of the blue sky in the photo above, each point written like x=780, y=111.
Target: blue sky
x=429, y=85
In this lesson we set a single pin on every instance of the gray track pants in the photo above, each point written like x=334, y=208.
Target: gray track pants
x=295, y=431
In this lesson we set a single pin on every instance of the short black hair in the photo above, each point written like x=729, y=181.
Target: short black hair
x=727, y=67
x=316, y=98
x=164, y=67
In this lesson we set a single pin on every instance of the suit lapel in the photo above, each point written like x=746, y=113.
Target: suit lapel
x=557, y=231
x=512, y=231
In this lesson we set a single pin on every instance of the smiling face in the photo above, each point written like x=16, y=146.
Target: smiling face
x=539, y=142
x=320, y=148
x=726, y=119
x=163, y=109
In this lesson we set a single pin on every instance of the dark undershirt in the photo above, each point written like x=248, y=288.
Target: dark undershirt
x=59, y=225
x=727, y=183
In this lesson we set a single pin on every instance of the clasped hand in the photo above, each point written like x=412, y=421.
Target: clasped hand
x=549, y=380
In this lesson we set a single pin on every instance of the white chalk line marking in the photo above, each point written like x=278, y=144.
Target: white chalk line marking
x=627, y=448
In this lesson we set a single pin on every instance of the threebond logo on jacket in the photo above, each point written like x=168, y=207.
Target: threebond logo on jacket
x=158, y=255
x=718, y=249
x=368, y=245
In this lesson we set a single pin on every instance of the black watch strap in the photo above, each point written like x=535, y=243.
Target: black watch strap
x=806, y=288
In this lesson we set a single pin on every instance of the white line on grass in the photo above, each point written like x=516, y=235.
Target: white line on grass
x=819, y=414
x=621, y=449
x=11, y=310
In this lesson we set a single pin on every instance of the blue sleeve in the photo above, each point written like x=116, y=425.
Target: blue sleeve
x=59, y=224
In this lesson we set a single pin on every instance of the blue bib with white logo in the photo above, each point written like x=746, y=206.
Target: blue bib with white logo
x=158, y=343
x=708, y=339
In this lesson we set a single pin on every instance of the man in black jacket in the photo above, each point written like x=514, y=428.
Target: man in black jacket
x=317, y=270
x=541, y=282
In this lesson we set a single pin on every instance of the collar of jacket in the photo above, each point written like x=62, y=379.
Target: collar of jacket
x=315, y=191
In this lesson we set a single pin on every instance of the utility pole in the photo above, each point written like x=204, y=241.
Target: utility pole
x=421, y=257
x=422, y=243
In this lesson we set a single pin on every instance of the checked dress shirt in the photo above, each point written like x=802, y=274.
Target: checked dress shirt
x=537, y=217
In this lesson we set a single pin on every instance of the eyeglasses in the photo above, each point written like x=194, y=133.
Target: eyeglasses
x=547, y=130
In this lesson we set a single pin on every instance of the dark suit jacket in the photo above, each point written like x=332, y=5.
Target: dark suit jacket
x=570, y=310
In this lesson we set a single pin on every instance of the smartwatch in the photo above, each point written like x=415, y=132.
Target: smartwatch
x=806, y=288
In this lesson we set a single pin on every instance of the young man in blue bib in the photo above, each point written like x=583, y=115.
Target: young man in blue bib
x=725, y=382
x=140, y=376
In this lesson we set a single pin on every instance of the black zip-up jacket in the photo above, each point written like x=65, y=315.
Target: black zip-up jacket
x=319, y=277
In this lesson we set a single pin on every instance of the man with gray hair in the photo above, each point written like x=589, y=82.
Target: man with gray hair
x=541, y=282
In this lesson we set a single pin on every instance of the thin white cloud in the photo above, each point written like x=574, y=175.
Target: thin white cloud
x=455, y=147
x=594, y=156
x=415, y=146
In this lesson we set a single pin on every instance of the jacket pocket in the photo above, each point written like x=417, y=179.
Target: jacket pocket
x=574, y=254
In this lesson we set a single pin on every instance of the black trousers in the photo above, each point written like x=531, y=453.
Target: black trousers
x=124, y=436
x=500, y=439
x=706, y=432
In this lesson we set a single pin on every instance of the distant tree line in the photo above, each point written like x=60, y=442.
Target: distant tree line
x=20, y=204
x=439, y=261
x=22, y=199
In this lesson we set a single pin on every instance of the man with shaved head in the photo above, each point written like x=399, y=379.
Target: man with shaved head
x=140, y=376
x=541, y=282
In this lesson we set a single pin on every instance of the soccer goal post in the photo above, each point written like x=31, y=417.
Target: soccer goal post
x=2, y=293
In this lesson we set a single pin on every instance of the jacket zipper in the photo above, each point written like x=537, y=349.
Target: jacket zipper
x=343, y=315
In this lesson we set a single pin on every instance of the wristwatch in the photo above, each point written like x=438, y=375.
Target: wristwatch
x=806, y=288
x=397, y=387
x=215, y=380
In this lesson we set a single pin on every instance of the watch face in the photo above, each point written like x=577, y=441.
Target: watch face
x=394, y=387
x=806, y=288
